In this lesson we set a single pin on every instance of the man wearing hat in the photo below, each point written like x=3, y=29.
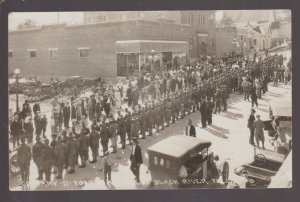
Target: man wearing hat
x=113, y=135
x=83, y=145
x=258, y=126
x=104, y=135
x=71, y=151
x=23, y=158
x=122, y=130
x=47, y=160
x=60, y=151
x=136, y=159
x=251, y=120
x=37, y=150
x=16, y=130
x=94, y=142
x=36, y=107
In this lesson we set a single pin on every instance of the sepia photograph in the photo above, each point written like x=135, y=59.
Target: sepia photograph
x=150, y=100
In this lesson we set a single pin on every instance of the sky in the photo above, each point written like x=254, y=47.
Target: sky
x=46, y=18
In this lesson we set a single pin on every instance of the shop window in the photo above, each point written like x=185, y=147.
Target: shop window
x=84, y=52
x=53, y=53
x=32, y=53
x=10, y=53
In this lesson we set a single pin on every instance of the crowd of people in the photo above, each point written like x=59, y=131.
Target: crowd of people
x=132, y=110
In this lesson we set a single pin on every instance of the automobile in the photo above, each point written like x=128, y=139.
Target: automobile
x=186, y=162
x=279, y=126
x=14, y=169
x=258, y=173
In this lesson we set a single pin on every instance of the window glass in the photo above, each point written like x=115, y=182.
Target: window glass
x=162, y=162
x=10, y=53
x=83, y=53
x=155, y=160
x=32, y=53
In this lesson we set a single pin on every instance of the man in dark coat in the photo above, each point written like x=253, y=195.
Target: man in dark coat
x=71, y=153
x=36, y=107
x=37, y=150
x=190, y=129
x=253, y=97
x=136, y=160
x=47, y=160
x=23, y=158
x=73, y=113
x=38, y=123
x=122, y=130
x=28, y=130
x=66, y=115
x=16, y=131
x=251, y=120
x=94, y=142
x=128, y=118
x=104, y=135
x=60, y=152
x=218, y=101
x=209, y=112
x=44, y=123
x=129, y=95
x=83, y=146
x=203, y=111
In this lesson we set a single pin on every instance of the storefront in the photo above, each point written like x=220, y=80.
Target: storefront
x=149, y=55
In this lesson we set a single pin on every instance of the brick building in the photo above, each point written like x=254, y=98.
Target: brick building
x=113, y=44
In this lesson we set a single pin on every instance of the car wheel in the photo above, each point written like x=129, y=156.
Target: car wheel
x=13, y=166
x=225, y=172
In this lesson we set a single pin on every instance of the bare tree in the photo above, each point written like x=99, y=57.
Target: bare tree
x=27, y=24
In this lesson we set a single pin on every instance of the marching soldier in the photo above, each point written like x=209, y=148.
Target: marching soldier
x=47, y=160
x=37, y=150
x=72, y=149
x=60, y=151
x=94, y=143
x=143, y=123
x=23, y=158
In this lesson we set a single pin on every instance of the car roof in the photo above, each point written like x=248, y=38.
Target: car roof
x=281, y=108
x=178, y=146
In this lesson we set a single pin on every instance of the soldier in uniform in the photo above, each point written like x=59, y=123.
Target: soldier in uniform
x=47, y=160
x=113, y=135
x=143, y=123
x=72, y=148
x=94, y=143
x=122, y=130
x=83, y=145
x=224, y=96
x=23, y=158
x=218, y=101
x=210, y=108
x=203, y=111
x=60, y=152
x=37, y=150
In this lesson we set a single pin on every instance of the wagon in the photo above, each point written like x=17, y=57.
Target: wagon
x=186, y=161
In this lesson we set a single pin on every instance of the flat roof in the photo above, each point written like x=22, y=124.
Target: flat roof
x=179, y=145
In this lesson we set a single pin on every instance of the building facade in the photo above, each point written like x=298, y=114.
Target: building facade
x=111, y=48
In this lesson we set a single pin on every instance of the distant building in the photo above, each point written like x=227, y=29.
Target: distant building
x=112, y=44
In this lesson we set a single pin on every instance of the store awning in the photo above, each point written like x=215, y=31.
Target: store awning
x=151, y=46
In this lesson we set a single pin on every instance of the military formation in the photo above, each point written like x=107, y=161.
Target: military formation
x=138, y=121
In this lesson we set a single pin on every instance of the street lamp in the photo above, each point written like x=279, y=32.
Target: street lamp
x=17, y=72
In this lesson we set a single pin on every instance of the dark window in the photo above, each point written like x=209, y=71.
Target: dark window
x=53, y=53
x=32, y=53
x=83, y=52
